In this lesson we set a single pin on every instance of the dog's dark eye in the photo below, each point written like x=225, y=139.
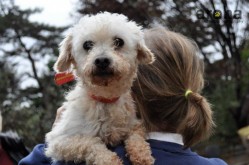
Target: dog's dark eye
x=88, y=45
x=118, y=42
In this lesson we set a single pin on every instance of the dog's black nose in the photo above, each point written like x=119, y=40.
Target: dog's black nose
x=102, y=62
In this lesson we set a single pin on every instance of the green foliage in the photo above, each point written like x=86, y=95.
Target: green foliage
x=245, y=55
x=8, y=86
x=33, y=121
x=245, y=68
x=31, y=110
x=223, y=102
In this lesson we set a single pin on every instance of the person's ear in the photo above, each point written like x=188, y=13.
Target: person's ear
x=144, y=55
x=65, y=58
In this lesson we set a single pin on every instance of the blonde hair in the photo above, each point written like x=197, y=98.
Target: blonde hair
x=160, y=88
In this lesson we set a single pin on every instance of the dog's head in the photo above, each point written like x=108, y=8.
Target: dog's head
x=104, y=49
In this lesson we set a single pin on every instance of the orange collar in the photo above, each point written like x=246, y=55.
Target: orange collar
x=103, y=99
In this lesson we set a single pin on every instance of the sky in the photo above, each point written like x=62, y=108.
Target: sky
x=55, y=12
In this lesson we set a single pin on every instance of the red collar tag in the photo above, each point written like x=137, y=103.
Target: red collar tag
x=63, y=77
x=103, y=99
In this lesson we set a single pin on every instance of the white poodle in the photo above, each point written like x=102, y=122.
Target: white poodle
x=103, y=51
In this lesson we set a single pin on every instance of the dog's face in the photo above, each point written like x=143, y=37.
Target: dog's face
x=104, y=49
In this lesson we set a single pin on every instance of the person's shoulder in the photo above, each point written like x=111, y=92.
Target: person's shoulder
x=36, y=157
x=212, y=161
x=172, y=153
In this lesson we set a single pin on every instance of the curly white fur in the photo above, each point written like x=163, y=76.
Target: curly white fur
x=87, y=125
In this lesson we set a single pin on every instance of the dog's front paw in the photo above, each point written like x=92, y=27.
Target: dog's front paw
x=138, y=159
x=105, y=158
x=139, y=150
x=114, y=160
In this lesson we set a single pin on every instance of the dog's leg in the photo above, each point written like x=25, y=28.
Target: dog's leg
x=80, y=148
x=137, y=148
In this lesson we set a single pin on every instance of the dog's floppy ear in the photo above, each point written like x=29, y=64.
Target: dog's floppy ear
x=65, y=58
x=144, y=55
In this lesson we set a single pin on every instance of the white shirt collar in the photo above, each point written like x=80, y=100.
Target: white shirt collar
x=167, y=137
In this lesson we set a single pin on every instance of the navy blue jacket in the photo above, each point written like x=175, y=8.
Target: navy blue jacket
x=165, y=153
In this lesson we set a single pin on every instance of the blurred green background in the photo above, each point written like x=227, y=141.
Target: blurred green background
x=220, y=29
